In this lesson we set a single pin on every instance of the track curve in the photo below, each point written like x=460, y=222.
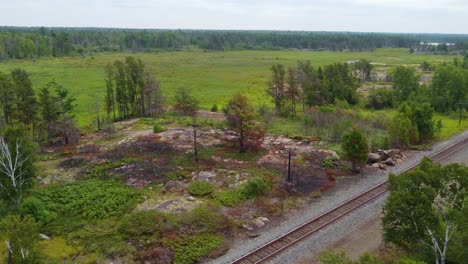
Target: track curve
x=288, y=240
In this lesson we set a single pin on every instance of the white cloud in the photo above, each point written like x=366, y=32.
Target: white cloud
x=336, y=15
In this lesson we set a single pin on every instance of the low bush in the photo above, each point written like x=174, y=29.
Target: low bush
x=205, y=218
x=157, y=128
x=214, y=108
x=230, y=197
x=101, y=236
x=201, y=188
x=142, y=225
x=255, y=187
x=91, y=199
x=379, y=141
x=34, y=207
x=192, y=249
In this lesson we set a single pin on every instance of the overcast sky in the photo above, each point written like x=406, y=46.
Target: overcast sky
x=440, y=16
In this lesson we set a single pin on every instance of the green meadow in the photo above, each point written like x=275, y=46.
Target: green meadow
x=213, y=76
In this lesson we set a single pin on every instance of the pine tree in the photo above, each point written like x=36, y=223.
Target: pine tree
x=355, y=147
x=240, y=116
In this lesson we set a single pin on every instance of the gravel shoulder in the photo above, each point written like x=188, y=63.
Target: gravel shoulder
x=346, y=188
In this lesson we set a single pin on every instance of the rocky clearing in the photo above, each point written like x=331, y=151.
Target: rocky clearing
x=164, y=166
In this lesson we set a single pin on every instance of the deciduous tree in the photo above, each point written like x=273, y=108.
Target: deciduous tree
x=425, y=207
x=16, y=165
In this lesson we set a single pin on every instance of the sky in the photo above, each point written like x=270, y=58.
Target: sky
x=412, y=16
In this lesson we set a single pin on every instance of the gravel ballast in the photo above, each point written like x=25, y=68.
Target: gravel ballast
x=346, y=188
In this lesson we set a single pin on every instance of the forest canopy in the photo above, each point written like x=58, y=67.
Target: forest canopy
x=21, y=42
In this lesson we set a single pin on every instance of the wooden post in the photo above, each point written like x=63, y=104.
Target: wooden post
x=459, y=121
x=195, y=151
x=461, y=108
x=289, y=166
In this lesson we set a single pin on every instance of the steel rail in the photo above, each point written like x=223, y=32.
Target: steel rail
x=287, y=240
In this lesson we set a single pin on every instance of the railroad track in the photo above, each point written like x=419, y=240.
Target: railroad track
x=280, y=244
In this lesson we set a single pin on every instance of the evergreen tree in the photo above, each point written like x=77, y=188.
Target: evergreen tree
x=186, y=103
x=121, y=94
x=276, y=87
x=293, y=91
x=240, y=116
x=7, y=98
x=26, y=103
x=355, y=147
x=110, y=95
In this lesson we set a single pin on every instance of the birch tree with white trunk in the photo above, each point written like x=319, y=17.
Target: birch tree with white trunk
x=425, y=208
x=14, y=172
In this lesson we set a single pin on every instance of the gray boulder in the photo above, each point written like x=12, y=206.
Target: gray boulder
x=373, y=158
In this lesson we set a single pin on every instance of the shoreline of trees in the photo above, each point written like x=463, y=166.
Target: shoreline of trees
x=34, y=42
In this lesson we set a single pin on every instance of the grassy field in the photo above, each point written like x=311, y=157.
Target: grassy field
x=213, y=76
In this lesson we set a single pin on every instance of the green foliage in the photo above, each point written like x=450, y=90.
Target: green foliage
x=190, y=250
x=57, y=250
x=201, y=188
x=379, y=141
x=431, y=196
x=214, y=108
x=401, y=130
x=380, y=98
x=409, y=261
x=255, y=187
x=369, y=259
x=158, y=128
x=330, y=257
x=142, y=225
x=340, y=257
x=405, y=83
x=35, y=208
x=230, y=197
x=355, y=147
x=421, y=116
x=204, y=218
x=240, y=116
x=448, y=88
x=91, y=199
x=101, y=236
x=412, y=124
x=23, y=236
x=204, y=72
x=329, y=162
x=186, y=103
x=17, y=155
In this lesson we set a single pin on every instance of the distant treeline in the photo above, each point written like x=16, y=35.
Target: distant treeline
x=20, y=43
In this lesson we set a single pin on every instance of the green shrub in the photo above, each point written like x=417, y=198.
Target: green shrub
x=255, y=187
x=102, y=237
x=230, y=197
x=157, y=128
x=142, y=225
x=23, y=235
x=330, y=162
x=204, y=219
x=200, y=188
x=379, y=141
x=355, y=147
x=91, y=199
x=214, y=108
x=36, y=208
x=190, y=250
